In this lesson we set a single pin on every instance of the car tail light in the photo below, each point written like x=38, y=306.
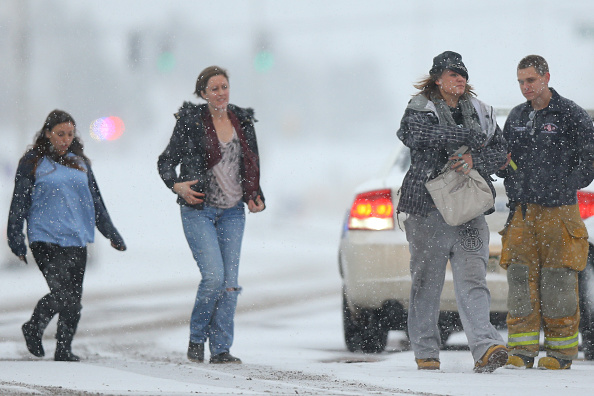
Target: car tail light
x=586, y=202
x=372, y=210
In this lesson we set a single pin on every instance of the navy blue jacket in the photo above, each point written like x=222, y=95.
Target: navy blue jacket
x=21, y=203
x=554, y=153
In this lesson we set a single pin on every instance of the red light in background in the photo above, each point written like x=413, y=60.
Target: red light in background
x=586, y=202
x=107, y=128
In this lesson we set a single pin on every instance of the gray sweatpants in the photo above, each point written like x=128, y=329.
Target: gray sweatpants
x=432, y=242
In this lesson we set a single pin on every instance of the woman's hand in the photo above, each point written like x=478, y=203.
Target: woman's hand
x=184, y=190
x=463, y=163
x=256, y=206
x=118, y=246
x=23, y=258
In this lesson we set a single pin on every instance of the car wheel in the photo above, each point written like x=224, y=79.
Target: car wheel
x=366, y=332
x=586, y=287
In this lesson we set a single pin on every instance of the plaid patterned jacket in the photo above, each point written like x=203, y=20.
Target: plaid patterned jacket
x=431, y=144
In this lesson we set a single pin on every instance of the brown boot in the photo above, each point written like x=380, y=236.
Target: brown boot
x=427, y=364
x=551, y=363
x=519, y=361
x=495, y=357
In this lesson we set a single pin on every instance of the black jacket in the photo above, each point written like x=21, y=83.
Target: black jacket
x=21, y=204
x=186, y=148
x=554, y=153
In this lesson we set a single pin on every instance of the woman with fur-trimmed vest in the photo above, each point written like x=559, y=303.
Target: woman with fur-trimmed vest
x=215, y=146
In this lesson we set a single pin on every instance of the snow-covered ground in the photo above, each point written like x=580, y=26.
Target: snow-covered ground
x=134, y=331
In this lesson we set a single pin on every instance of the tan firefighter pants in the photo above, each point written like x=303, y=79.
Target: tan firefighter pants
x=544, y=248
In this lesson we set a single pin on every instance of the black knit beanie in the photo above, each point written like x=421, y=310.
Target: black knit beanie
x=448, y=60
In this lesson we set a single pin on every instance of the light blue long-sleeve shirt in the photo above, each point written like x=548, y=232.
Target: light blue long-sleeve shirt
x=62, y=210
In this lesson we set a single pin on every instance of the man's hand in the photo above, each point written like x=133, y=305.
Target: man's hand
x=506, y=161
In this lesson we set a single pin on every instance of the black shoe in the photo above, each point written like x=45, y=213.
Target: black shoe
x=33, y=339
x=224, y=357
x=65, y=356
x=196, y=352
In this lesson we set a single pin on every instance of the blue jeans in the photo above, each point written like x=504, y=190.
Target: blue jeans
x=215, y=236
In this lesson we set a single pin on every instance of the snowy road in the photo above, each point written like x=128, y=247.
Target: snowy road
x=289, y=348
x=133, y=337
x=133, y=333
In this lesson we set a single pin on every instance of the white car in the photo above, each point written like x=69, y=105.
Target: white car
x=374, y=264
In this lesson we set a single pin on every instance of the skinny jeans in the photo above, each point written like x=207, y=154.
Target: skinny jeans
x=214, y=236
x=432, y=242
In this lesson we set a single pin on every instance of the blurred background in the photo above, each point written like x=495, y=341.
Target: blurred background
x=329, y=81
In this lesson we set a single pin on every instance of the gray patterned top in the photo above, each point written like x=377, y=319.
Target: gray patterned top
x=223, y=187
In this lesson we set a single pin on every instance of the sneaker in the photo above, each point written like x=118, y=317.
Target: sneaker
x=427, y=364
x=196, y=352
x=495, y=357
x=551, y=363
x=224, y=357
x=519, y=361
x=33, y=339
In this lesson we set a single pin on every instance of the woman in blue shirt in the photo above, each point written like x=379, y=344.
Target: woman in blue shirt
x=56, y=193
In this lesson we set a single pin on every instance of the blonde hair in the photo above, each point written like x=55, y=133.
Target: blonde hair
x=427, y=87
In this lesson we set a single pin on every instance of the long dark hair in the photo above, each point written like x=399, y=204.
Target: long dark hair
x=44, y=148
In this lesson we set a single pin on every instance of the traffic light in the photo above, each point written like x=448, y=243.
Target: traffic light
x=166, y=60
x=264, y=57
x=264, y=61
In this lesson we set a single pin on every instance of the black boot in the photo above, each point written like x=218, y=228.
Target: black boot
x=65, y=355
x=223, y=358
x=34, y=328
x=196, y=352
x=67, y=324
x=33, y=336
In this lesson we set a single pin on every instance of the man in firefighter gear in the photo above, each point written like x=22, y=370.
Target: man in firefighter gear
x=551, y=145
